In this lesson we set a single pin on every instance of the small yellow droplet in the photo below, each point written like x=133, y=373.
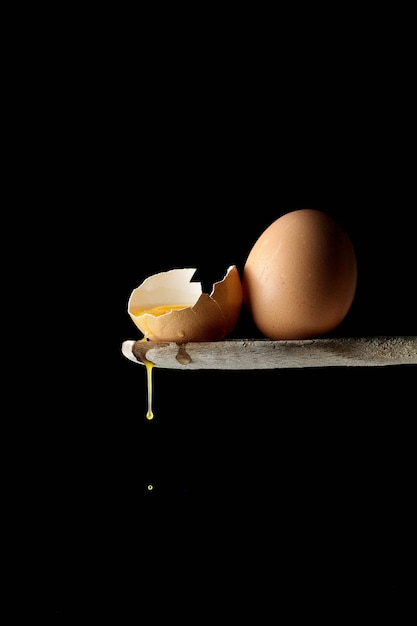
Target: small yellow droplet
x=150, y=487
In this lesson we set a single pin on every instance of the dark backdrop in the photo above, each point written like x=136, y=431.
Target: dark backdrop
x=316, y=464
x=306, y=472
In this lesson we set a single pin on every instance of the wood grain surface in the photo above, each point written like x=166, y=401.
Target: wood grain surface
x=247, y=354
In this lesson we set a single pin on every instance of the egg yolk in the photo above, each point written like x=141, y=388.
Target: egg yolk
x=149, y=369
x=157, y=310
x=162, y=309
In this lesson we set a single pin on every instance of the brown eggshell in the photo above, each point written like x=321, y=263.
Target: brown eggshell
x=204, y=317
x=300, y=277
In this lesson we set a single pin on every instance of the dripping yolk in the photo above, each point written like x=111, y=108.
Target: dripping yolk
x=149, y=376
x=149, y=368
x=156, y=311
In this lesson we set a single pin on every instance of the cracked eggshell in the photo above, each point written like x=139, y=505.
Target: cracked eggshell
x=203, y=317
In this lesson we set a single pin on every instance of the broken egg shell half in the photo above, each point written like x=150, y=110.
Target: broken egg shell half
x=203, y=317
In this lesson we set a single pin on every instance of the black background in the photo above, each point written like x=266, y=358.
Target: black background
x=183, y=160
x=316, y=465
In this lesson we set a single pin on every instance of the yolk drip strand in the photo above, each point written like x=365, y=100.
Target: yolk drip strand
x=149, y=368
x=156, y=311
x=149, y=371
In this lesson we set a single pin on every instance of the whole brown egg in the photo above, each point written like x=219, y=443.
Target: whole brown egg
x=299, y=279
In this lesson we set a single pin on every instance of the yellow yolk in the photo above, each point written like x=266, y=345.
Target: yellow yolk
x=157, y=310
x=149, y=369
x=162, y=309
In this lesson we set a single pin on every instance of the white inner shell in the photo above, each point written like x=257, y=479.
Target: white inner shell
x=166, y=288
